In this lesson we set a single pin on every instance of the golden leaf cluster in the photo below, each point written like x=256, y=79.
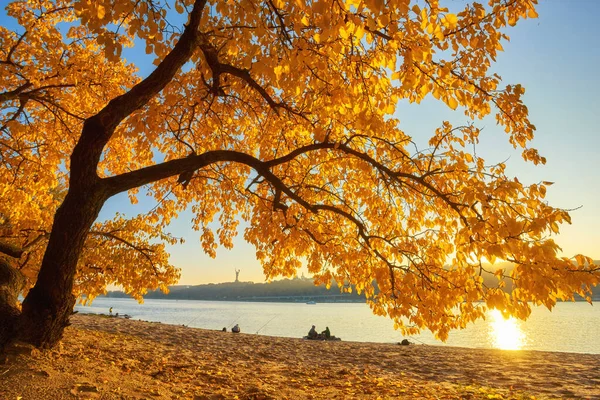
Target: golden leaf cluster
x=295, y=102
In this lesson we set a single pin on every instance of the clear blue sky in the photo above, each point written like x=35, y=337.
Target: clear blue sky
x=556, y=58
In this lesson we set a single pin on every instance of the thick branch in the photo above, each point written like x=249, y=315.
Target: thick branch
x=14, y=94
x=97, y=130
x=121, y=107
x=154, y=173
x=10, y=250
x=144, y=176
x=16, y=251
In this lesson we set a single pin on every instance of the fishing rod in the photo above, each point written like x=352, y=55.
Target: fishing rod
x=420, y=341
x=193, y=319
x=234, y=321
x=259, y=329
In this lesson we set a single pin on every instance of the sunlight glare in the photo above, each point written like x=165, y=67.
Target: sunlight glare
x=505, y=333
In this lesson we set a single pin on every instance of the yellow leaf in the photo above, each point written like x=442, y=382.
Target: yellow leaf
x=345, y=34
x=450, y=20
x=452, y=103
x=531, y=13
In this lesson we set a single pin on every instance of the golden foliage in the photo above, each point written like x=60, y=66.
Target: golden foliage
x=284, y=117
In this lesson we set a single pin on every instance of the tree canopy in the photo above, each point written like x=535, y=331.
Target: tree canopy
x=281, y=114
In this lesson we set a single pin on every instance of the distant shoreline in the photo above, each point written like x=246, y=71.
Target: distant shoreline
x=274, y=299
x=298, y=290
x=245, y=300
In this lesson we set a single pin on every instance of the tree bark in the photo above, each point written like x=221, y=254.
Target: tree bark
x=50, y=302
x=11, y=284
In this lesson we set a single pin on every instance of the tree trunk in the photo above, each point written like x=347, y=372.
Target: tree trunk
x=49, y=304
x=11, y=284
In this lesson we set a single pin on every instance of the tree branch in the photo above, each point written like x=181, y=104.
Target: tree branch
x=122, y=106
x=11, y=250
x=14, y=94
x=144, y=251
x=143, y=176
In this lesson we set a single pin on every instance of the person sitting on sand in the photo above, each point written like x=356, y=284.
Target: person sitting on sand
x=236, y=329
x=312, y=334
x=326, y=333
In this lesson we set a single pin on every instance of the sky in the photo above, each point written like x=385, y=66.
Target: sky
x=556, y=58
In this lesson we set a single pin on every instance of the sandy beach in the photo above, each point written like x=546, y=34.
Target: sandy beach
x=115, y=358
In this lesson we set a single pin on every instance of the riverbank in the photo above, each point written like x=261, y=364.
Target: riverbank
x=115, y=358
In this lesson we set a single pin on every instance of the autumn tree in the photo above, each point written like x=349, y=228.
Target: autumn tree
x=50, y=85
x=280, y=114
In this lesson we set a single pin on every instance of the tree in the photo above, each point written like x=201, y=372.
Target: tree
x=51, y=84
x=280, y=114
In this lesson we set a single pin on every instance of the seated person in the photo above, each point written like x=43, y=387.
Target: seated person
x=236, y=329
x=326, y=333
x=312, y=334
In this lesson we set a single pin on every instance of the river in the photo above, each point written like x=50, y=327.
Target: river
x=570, y=327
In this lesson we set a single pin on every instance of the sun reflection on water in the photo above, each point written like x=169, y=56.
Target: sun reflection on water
x=506, y=334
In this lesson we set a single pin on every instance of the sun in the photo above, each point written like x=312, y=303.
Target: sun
x=505, y=333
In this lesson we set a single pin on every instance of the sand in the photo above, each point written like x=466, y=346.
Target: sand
x=115, y=358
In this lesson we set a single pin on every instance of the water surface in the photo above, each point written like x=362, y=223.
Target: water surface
x=570, y=327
